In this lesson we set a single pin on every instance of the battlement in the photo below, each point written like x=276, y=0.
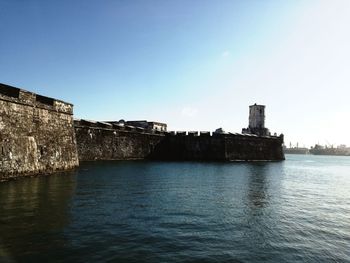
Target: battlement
x=214, y=134
x=23, y=97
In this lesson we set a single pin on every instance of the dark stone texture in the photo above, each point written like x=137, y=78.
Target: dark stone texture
x=36, y=135
x=219, y=147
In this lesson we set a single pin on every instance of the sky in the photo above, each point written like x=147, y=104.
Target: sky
x=196, y=65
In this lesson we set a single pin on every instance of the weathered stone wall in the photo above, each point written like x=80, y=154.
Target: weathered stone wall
x=103, y=141
x=36, y=134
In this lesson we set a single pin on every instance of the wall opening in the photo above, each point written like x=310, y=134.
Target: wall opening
x=41, y=150
x=45, y=100
x=9, y=91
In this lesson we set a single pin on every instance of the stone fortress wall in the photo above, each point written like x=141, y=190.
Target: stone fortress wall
x=36, y=134
x=104, y=141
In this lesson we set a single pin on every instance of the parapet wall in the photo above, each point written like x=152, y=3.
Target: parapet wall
x=26, y=98
x=36, y=134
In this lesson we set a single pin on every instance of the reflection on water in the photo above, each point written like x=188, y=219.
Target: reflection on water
x=292, y=211
x=34, y=213
x=257, y=185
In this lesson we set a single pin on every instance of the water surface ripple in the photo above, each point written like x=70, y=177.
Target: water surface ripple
x=292, y=211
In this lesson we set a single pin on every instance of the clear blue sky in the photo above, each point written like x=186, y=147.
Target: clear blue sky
x=196, y=65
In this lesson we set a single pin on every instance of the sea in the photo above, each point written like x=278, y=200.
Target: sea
x=297, y=210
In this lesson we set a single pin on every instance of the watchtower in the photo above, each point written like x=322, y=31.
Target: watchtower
x=256, y=121
x=257, y=116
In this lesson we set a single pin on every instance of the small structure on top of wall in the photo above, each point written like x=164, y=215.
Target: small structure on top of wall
x=147, y=125
x=36, y=134
x=256, y=121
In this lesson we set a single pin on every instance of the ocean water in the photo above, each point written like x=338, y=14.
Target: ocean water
x=297, y=210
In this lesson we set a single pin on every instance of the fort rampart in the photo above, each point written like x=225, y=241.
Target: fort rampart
x=104, y=141
x=36, y=134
